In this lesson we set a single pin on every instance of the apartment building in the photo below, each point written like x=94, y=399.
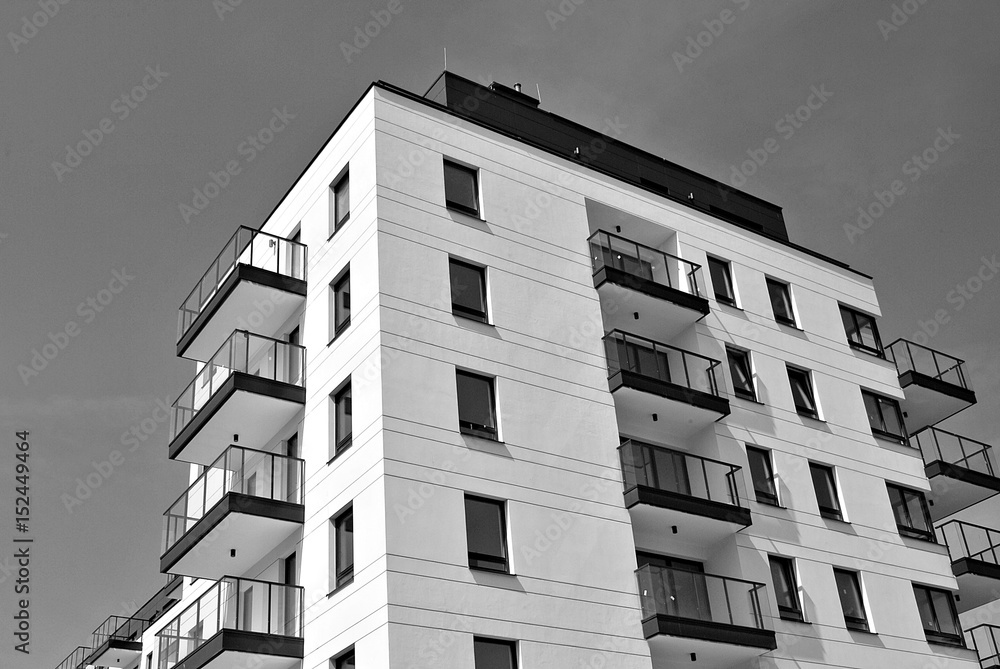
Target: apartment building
x=489, y=389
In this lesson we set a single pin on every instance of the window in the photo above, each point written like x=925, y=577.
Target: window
x=149, y=660
x=468, y=290
x=476, y=405
x=785, y=587
x=884, y=416
x=742, y=373
x=486, y=528
x=909, y=507
x=340, y=303
x=461, y=188
x=862, y=333
x=826, y=491
x=722, y=281
x=342, y=428
x=781, y=301
x=802, y=392
x=342, y=548
x=937, y=613
x=849, y=587
x=340, y=203
x=763, y=476
x=494, y=653
x=343, y=661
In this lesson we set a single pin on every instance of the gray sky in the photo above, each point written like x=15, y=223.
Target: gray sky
x=893, y=90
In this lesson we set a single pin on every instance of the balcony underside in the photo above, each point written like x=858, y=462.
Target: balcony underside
x=954, y=488
x=115, y=653
x=250, y=406
x=717, y=645
x=928, y=400
x=248, y=294
x=231, y=649
x=700, y=523
x=978, y=583
x=663, y=312
x=253, y=526
x=680, y=411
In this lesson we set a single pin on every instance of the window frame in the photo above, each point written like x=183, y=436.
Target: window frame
x=882, y=402
x=461, y=310
x=338, y=327
x=727, y=274
x=338, y=661
x=790, y=320
x=854, y=314
x=484, y=561
x=763, y=497
x=341, y=576
x=786, y=566
x=911, y=530
x=809, y=385
x=832, y=513
x=855, y=623
x=341, y=443
x=510, y=643
x=475, y=429
x=936, y=636
x=458, y=206
x=338, y=220
x=745, y=356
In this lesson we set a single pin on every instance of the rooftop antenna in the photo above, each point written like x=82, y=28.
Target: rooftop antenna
x=539, y=89
x=445, y=58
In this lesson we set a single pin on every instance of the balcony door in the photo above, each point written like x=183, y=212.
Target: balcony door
x=683, y=589
x=641, y=358
x=294, y=360
x=291, y=600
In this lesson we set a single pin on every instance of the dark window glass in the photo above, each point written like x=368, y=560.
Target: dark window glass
x=763, y=476
x=938, y=615
x=849, y=587
x=740, y=369
x=486, y=527
x=345, y=661
x=340, y=304
x=476, y=406
x=340, y=204
x=342, y=419
x=862, y=333
x=342, y=549
x=660, y=468
x=802, y=392
x=494, y=653
x=826, y=491
x=909, y=507
x=722, y=281
x=781, y=301
x=460, y=189
x=468, y=290
x=884, y=416
x=785, y=588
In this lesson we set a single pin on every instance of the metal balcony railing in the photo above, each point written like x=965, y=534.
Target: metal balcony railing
x=662, y=362
x=975, y=542
x=246, y=353
x=693, y=595
x=936, y=444
x=985, y=640
x=76, y=658
x=240, y=470
x=677, y=472
x=119, y=628
x=237, y=604
x=247, y=247
x=644, y=262
x=911, y=357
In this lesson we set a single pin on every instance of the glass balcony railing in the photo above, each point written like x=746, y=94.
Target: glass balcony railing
x=682, y=473
x=119, y=628
x=936, y=444
x=911, y=357
x=985, y=640
x=973, y=542
x=693, y=595
x=644, y=262
x=662, y=362
x=246, y=353
x=236, y=604
x=238, y=470
x=75, y=659
x=246, y=247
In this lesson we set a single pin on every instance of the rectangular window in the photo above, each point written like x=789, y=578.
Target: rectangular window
x=763, y=476
x=826, y=491
x=849, y=587
x=802, y=392
x=476, y=405
x=340, y=303
x=884, y=416
x=742, y=373
x=486, y=529
x=343, y=422
x=781, y=301
x=340, y=203
x=786, y=589
x=909, y=507
x=494, y=653
x=461, y=188
x=344, y=660
x=468, y=290
x=862, y=332
x=938, y=615
x=342, y=548
x=722, y=281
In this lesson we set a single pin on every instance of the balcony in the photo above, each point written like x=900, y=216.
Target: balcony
x=631, y=279
x=239, y=509
x=117, y=642
x=75, y=660
x=237, y=622
x=696, y=497
x=257, y=282
x=251, y=387
x=975, y=560
x=934, y=384
x=985, y=640
x=960, y=470
x=661, y=391
x=688, y=615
